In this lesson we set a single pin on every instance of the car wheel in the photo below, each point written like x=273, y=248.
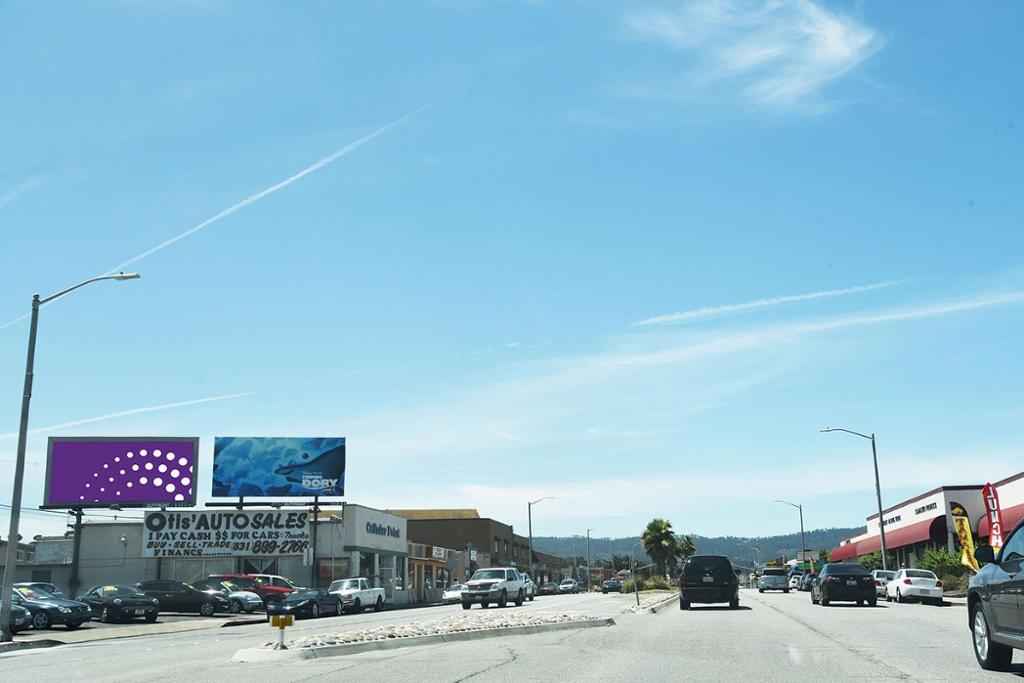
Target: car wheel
x=824, y=601
x=785, y=590
x=814, y=600
x=206, y=609
x=357, y=606
x=484, y=604
x=899, y=596
x=519, y=599
x=236, y=606
x=531, y=597
x=315, y=610
x=991, y=656
x=153, y=615
x=107, y=615
x=40, y=620
x=502, y=599
x=860, y=603
x=72, y=625
x=734, y=603
x=872, y=602
x=466, y=605
x=340, y=607
x=760, y=590
x=379, y=605
x=684, y=605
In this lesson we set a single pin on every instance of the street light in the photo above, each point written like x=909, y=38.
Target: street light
x=588, y=554
x=19, y=463
x=878, y=488
x=529, y=522
x=803, y=545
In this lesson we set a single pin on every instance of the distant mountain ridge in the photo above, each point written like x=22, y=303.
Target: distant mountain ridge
x=737, y=548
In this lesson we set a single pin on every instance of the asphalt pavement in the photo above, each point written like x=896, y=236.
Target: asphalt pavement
x=774, y=636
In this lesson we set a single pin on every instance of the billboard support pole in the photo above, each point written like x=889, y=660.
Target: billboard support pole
x=316, y=516
x=75, y=554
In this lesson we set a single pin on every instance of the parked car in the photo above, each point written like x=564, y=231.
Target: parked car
x=794, y=580
x=914, y=584
x=882, y=577
x=772, y=579
x=529, y=587
x=307, y=602
x=548, y=588
x=47, y=610
x=269, y=587
x=44, y=586
x=21, y=618
x=239, y=600
x=806, y=581
x=357, y=595
x=569, y=586
x=494, y=584
x=708, y=579
x=176, y=596
x=611, y=586
x=996, y=615
x=452, y=594
x=844, y=581
x=120, y=603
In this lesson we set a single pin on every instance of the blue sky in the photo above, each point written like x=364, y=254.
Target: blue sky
x=481, y=293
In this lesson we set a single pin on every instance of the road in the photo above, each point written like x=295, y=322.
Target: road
x=773, y=636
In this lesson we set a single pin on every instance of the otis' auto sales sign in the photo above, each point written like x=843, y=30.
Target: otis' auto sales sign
x=225, y=534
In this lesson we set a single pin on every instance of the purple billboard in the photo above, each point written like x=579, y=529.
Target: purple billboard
x=96, y=471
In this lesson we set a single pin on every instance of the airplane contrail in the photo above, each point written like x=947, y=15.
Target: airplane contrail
x=333, y=156
x=123, y=413
x=710, y=311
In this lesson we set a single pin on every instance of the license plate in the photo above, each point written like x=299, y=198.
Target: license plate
x=851, y=582
x=139, y=611
x=709, y=579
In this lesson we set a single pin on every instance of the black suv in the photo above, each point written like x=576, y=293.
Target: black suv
x=993, y=602
x=706, y=579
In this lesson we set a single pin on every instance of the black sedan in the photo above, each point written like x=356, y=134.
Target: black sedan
x=611, y=586
x=21, y=618
x=307, y=602
x=48, y=610
x=806, y=581
x=176, y=596
x=120, y=603
x=843, y=581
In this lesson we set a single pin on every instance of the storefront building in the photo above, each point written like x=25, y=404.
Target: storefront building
x=504, y=547
x=925, y=521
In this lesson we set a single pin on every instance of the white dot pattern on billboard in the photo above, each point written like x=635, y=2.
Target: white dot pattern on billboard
x=170, y=480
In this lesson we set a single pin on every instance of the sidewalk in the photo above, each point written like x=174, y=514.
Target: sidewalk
x=95, y=630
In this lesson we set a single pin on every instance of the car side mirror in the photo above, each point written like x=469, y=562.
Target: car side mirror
x=985, y=554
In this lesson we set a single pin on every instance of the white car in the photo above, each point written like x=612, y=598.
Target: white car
x=882, y=578
x=494, y=584
x=529, y=586
x=356, y=594
x=452, y=594
x=914, y=584
x=794, y=581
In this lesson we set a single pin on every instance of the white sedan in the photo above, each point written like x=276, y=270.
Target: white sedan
x=914, y=584
x=452, y=594
x=794, y=581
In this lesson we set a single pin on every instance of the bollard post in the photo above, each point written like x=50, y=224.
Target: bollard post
x=281, y=621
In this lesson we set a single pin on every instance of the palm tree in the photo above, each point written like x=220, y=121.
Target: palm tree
x=659, y=542
x=686, y=546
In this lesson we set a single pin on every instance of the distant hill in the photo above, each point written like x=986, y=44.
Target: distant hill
x=739, y=549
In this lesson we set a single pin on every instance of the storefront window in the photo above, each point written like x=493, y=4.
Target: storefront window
x=366, y=566
x=329, y=569
x=400, y=573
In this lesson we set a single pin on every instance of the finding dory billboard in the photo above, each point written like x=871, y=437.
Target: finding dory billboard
x=278, y=466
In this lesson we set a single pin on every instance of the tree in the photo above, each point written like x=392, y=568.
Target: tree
x=945, y=564
x=659, y=542
x=686, y=546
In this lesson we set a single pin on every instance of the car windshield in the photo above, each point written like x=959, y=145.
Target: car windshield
x=881, y=574
x=920, y=574
x=454, y=586
x=33, y=593
x=706, y=565
x=847, y=568
x=308, y=594
x=489, y=574
x=568, y=582
x=118, y=590
x=774, y=572
x=347, y=584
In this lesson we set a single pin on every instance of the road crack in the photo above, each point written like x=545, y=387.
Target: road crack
x=512, y=656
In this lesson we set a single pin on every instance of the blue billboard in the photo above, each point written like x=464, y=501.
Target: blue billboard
x=279, y=467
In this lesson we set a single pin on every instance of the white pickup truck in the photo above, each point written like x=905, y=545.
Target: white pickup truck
x=495, y=584
x=356, y=594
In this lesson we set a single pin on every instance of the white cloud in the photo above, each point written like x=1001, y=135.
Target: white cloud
x=712, y=311
x=20, y=189
x=775, y=54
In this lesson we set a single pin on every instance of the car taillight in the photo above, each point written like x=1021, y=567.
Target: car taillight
x=938, y=584
x=830, y=579
x=877, y=582
x=907, y=581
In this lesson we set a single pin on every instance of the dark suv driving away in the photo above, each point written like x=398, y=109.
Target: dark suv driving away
x=708, y=579
x=993, y=602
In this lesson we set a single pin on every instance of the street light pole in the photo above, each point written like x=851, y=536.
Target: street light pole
x=529, y=523
x=803, y=545
x=878, y=487
x=588, y=555
x=19, y=462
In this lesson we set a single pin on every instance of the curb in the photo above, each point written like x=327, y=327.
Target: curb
x=244, y=621
x=658, y=606
x=17, y=646
x=258, y=654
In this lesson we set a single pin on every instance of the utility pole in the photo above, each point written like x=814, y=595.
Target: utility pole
x=529, y=522
x=878, y=487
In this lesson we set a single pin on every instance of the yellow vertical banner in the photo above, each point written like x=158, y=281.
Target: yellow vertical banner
x=962, y=526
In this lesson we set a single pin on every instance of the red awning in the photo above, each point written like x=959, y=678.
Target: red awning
x=1011, y=516
x=908, y=535
x=843, y=552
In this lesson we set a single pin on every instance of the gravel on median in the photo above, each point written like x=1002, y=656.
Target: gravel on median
x=472, y=621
